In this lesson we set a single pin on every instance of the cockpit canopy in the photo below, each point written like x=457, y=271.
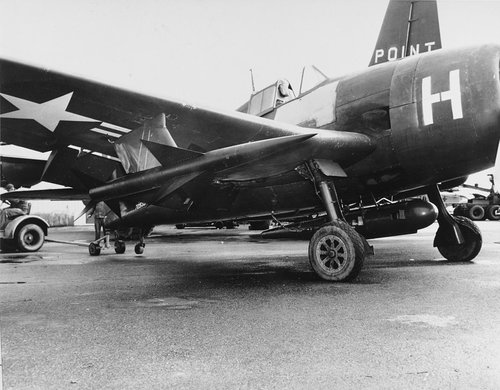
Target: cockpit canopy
x=269, y=98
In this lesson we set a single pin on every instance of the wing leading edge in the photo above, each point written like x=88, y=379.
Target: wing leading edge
x=97, y=117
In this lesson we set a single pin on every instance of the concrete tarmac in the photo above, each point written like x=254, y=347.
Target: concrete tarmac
x=209, y=309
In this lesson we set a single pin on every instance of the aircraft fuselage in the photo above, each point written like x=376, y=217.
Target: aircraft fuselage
x=432, y=117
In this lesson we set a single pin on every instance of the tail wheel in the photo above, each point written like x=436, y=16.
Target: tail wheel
x=336, y=252
x=471, y=246
x=476, y=213
x=30, y=238
x=493, y=212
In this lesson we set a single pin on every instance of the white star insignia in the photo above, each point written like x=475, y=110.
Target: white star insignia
x=48, y=113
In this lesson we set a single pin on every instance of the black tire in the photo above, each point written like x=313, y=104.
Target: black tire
x=336, y=252
x=219, y=224
x=120, y=247
x=30, y=238
x=470, y=248
x=493, y=212
x=475, y=213
x=139, y=249
x=94, y=250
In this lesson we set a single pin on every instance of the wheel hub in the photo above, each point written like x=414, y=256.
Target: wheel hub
x=331, y=252
x=28, y=238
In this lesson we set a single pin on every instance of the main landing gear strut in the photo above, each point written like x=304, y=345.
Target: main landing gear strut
x=336, y=250
x=458, y=238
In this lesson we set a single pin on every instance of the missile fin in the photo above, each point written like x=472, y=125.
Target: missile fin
x=173, y=185
x=90, y=206
x=169, y=155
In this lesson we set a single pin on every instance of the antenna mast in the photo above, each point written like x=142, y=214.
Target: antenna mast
x=251, y=76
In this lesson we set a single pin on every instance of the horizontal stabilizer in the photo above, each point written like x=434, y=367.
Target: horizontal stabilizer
x=55, y=194
x=169, y=155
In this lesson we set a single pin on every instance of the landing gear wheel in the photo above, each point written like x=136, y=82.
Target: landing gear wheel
x=94, y=250
x=336, y=252
x=493, y=212
x=476, y=213
x=119, y=247
x=30, y=238
x=139, y=248
x=469, y=249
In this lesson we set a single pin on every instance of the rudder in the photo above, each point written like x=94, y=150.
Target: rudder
x=409, y=27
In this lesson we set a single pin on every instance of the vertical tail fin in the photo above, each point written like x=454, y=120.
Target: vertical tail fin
x=409, y=27
x=130, y=149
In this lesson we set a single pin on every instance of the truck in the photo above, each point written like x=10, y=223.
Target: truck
x=24, y=233
x=485, y=203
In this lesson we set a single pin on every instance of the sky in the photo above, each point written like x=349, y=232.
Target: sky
x=201, y=51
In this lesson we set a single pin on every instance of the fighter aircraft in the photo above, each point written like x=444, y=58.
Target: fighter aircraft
x=418, y=119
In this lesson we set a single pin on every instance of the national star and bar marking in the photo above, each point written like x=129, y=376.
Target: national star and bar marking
x=53, y=111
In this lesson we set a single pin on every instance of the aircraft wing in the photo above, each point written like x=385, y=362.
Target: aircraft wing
x=49, y=194
x=45, y=110
x=21, y=172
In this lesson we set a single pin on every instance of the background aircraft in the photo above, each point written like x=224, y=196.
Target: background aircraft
x=183, y=163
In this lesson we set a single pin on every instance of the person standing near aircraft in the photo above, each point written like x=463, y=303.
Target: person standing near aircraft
x=17, y=207
x=99, y=213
